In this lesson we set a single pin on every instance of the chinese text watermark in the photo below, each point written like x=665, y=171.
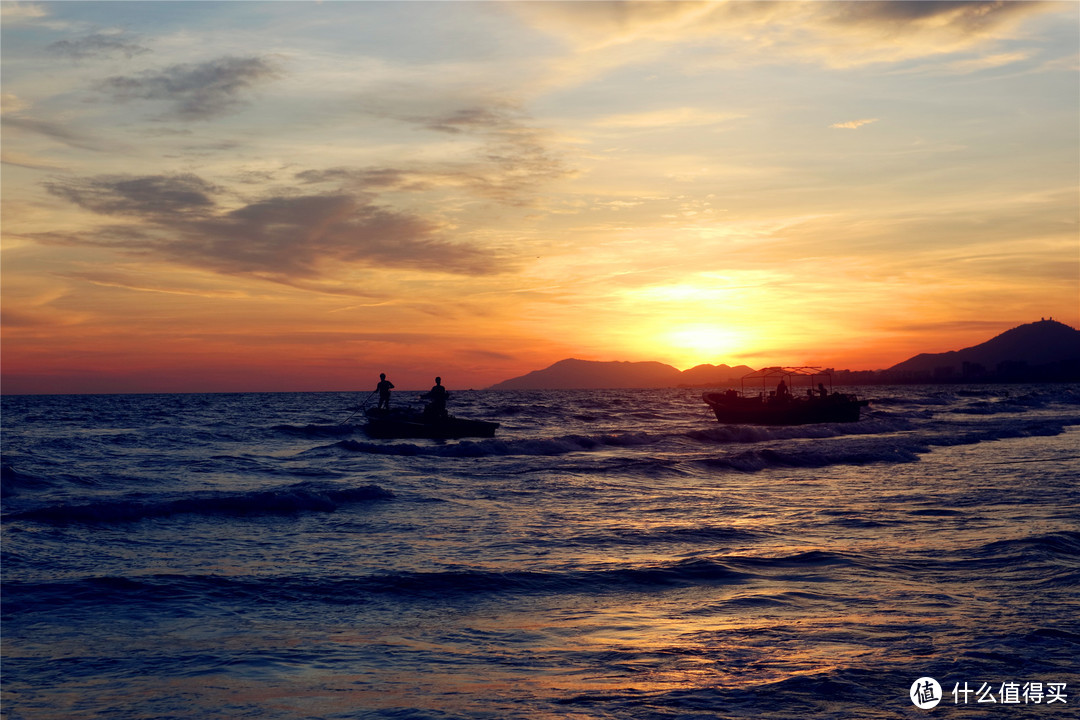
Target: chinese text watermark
x=926, y=693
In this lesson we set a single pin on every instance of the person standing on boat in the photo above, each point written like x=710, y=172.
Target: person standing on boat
x=383, y=388
x=437, y=397
x=782, y=393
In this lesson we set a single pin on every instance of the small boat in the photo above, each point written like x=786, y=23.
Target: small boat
x=401, y=424
x=784, y=405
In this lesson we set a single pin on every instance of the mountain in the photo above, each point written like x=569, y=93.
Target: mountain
x=714, y=375
x=1041, y=350
x=573, y=374
x=1044, y=351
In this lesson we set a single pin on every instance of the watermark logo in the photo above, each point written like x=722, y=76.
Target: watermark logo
x=925, y=693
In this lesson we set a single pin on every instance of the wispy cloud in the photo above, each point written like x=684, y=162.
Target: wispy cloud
x=16, y=118
x=10, y=102
x=57, y=132
x=156, y=196
x=17, y=12
x=98, y=44
x=667, y=118
x=963, y=67
x=840, y=34
x=14, y=157
x=196, y=91
x=854, y=124
x=125, y=282
x=287, y=239
x=510, y=156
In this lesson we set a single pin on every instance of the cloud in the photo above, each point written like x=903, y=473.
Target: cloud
x=854, y=124
x=469, y=119
x=594, y=25
x=953, y=326
x=964, y=67
x=12, y=109
x=197, y=91
x=17, y=12
x=10, y=102
x=296, y=240
x=667, y=118
x=19, y=159
x=839, y=34
x=97, y=44
x=125, y=282
x=511, y=156
x=367, y=178
x=962, y=17
x=54, y=131
x=156, y=196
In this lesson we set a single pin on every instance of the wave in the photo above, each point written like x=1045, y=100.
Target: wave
x=681, y=535
x=817, y=457
x=888, y=448
x=290, y=500
x=348, y=590
x=1048, y=562
x=499, y=448
x=13, y=482
x=1064, y=545
x=881, y=441
x=574, y=443
x=315, y=430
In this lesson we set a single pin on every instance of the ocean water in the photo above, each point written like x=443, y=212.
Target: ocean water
x=609, y=554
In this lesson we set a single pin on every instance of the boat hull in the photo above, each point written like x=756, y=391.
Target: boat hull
x=756, y=411
x=391, y=427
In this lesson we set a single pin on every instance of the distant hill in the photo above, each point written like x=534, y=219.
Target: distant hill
x=573, y=374
x=1041, y=350
x=1044, y=351
x=714, y=375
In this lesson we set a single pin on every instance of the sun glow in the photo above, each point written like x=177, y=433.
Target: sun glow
x=699, y=343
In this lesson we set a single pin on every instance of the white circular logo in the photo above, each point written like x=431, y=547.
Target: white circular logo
x=925, y=693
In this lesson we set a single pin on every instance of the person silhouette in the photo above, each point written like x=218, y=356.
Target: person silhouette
x=383, y=388
x=782, y=392
x=437, y=396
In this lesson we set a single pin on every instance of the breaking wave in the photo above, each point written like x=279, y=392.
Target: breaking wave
x=291, y=500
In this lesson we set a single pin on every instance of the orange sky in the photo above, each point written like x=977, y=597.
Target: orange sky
x=297, y=196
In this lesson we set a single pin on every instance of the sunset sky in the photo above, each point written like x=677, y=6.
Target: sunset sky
x=204, y=196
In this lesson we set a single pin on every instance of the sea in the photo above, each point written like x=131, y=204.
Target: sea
x=608, y=554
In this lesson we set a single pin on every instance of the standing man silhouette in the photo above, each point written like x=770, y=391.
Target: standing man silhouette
x=436, y=408
x=383, y=388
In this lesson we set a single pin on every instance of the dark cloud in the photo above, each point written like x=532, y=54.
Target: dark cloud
x=300, y=236
x=962, y=15
x=197, y=91
x=288, y=239
x=469, y=119
x=153, y=196
x=97, y=44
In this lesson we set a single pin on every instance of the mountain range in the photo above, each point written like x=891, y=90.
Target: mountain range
x=573, y=374
x=1045, y=345
x=1041, y=351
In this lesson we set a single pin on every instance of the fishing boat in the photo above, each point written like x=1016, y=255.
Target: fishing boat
x=402, y=424
x=794, y=399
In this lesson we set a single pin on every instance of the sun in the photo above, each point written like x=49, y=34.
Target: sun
x=695, y=344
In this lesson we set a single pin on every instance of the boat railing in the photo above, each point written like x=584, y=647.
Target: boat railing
x=812, y=379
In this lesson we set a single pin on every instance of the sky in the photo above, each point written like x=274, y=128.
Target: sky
x=278, y=196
